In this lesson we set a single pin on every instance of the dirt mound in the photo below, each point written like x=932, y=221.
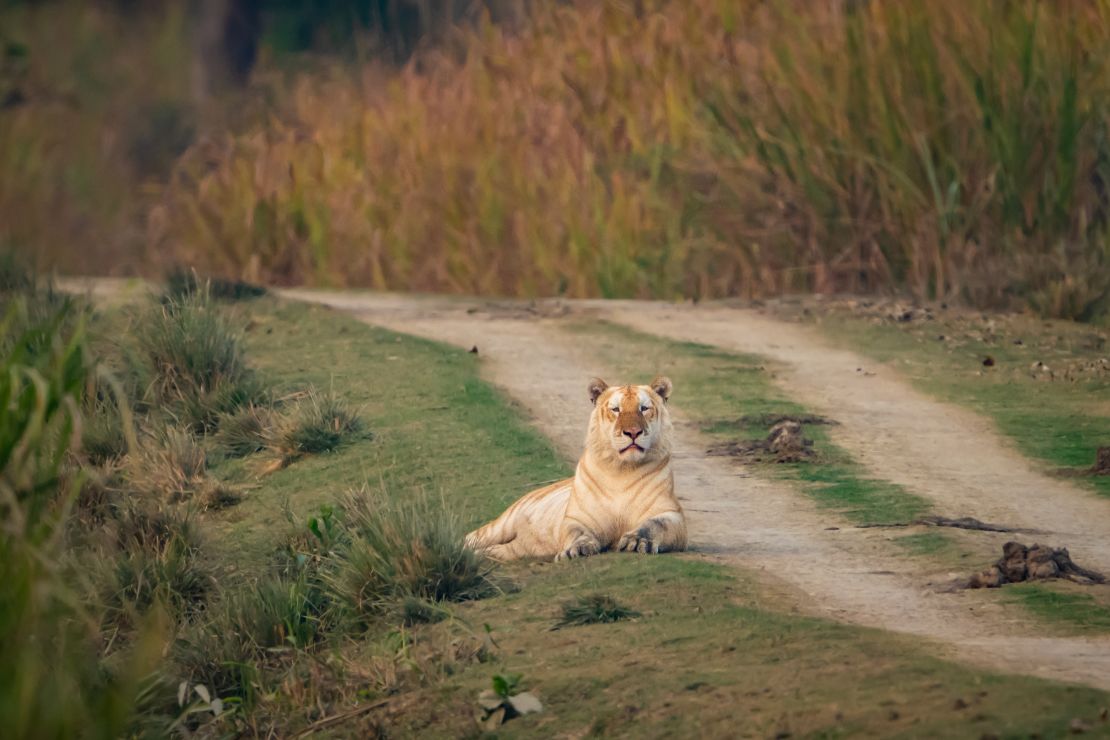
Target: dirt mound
x=1037, y=563
x=785, y=443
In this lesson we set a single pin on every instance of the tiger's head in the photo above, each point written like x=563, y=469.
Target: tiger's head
x=630, y=424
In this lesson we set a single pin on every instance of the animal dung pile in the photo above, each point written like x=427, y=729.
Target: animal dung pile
x=785, y=443
x=1023, y=563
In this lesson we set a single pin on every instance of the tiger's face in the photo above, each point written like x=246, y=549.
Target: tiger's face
x=630, y=424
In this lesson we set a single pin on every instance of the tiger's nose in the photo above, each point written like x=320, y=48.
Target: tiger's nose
x=633, y=433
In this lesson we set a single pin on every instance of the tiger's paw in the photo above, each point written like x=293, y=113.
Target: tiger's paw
x=583, y=547
x=638, y=540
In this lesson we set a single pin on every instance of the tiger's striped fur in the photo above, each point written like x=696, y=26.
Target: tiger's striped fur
x=622, y=493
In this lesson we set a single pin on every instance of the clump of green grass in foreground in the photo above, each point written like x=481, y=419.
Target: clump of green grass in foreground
x=398, y=548
x=594, y=609
x=317, y=423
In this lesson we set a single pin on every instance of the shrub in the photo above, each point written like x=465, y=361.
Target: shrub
x=395, y=549
x=318, y=422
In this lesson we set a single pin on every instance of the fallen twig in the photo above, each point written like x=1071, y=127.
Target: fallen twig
x=335, y=719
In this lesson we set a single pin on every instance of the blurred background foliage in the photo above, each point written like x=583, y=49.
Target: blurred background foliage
x=659, y=148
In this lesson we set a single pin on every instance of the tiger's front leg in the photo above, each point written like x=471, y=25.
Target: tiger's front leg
x=578, y=543
x=659, y=533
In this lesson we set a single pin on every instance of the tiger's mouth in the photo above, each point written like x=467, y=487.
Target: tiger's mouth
x=632, y=446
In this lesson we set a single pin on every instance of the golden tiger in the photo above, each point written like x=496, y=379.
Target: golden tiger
x=622, y=493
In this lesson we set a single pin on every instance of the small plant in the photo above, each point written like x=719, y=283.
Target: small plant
x=398, y=549
x=594, y=609
x=505, y=701
x=317, y=423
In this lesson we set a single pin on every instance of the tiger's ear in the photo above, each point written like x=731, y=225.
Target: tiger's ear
x=662, y=385
x=597, y=387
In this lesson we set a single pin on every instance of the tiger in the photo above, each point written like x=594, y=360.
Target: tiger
x=621, y=496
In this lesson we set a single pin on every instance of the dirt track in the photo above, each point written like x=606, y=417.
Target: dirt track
x=767, y=526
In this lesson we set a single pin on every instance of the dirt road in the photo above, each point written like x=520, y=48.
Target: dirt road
x=768, y=526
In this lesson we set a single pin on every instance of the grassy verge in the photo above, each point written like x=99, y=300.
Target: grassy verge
x=709, y=657
x=1055, y=411
x=731, y=396
x=281, y=651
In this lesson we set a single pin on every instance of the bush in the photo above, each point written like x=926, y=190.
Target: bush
x=395, y=550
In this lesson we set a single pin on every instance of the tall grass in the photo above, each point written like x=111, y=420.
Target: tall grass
x=667, y=148
x=703, y=148
x=53, y=683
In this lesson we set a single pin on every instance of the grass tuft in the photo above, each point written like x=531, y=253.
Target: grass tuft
x=594, y=609
x=196, y=361
x=317, y=423
x=403, y=548
x=245, y=431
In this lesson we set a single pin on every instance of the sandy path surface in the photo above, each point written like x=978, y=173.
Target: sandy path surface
x=767, y=526
x=944, y=453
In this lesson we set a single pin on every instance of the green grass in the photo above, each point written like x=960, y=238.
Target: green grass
x=710, y=657
x=926, y=543
x=710, y=648
x=1064, y=604
x=436, y=426
x=731, y=396
x=1058, y=422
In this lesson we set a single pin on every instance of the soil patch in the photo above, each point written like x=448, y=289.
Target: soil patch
x=785, y=443
x=1020, y=563
x=963, y=522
